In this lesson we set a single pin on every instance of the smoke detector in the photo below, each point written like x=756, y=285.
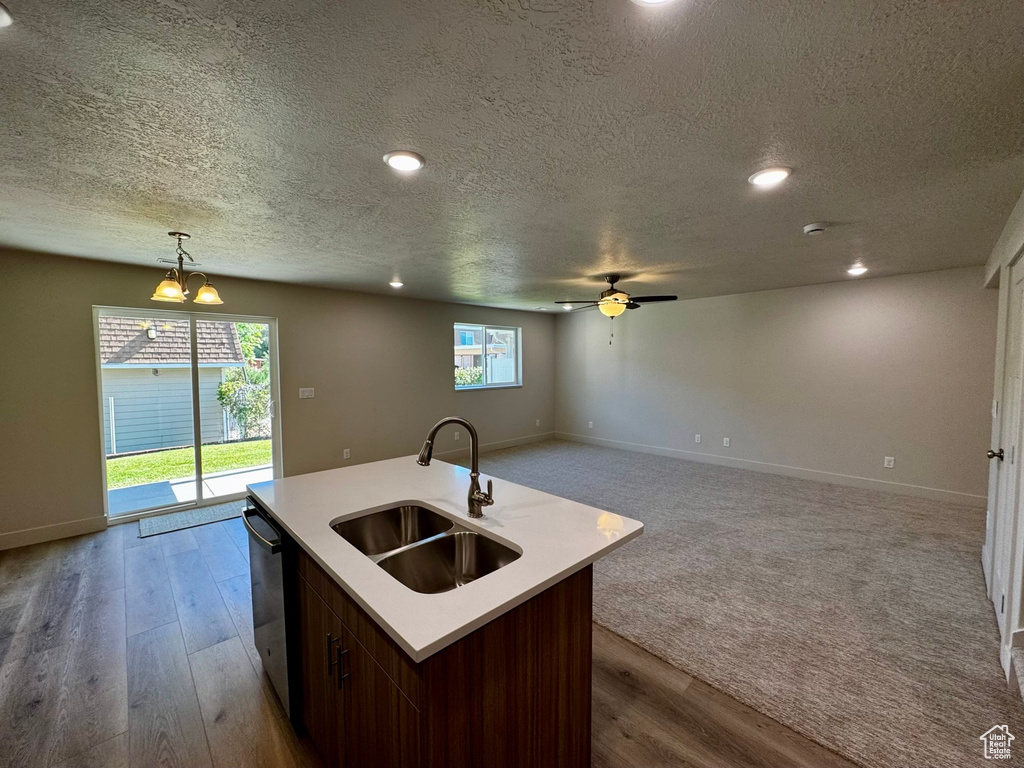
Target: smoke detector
x=815, y=228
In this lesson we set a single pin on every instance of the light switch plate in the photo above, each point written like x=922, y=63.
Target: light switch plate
x=306, y=393
x=725, y=442
x=346, y=454
x=696, y=438
x=889, y=462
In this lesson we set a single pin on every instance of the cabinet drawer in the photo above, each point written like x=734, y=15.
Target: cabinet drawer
x=385, y=651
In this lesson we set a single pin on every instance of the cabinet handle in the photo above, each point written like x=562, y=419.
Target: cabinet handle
x=341, y=667
x=331, y=640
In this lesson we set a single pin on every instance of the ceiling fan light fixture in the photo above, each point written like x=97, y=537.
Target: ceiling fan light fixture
x=5, y=17
x=611, y=307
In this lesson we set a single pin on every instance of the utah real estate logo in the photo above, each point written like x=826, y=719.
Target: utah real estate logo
x=997, y=742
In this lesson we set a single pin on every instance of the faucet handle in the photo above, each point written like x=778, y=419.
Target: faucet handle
x=490, y=496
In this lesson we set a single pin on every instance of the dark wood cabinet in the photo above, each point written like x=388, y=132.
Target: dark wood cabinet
x=513, y=694
x=383, y=727
x=323, y=655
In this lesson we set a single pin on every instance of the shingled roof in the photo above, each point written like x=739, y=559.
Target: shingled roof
x=124, y=341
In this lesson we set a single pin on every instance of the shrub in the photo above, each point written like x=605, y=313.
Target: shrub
x=467, y=377
x=245, y=394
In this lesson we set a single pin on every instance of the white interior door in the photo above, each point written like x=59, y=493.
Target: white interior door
x=1008, y=469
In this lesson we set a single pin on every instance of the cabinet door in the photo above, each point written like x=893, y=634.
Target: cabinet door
x=382, y=727
x=322, y=635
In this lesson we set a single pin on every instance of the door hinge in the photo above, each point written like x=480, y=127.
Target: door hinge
x=1002, y=604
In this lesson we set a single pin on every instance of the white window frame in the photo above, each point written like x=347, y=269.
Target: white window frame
x=484, y=328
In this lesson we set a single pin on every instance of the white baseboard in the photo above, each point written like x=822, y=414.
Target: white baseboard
x=459, y=453
x=28, y=536
x=887, y=486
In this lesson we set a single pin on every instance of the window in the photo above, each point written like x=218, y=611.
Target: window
x=486, y=356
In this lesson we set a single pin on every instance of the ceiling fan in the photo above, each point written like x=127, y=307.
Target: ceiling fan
x=614, y=302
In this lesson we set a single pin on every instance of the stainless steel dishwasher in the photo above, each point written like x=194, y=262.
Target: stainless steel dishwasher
x=270, y=591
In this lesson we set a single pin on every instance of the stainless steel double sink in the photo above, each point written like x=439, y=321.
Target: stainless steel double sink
x=425, y=551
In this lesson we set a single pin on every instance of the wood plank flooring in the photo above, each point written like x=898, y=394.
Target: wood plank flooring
x=117, y=651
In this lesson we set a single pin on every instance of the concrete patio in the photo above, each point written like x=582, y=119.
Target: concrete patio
x=122, y=501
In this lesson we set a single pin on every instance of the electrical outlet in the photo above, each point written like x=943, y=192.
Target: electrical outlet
x=590, y=425
x=305, y=393
x=347, y=454
x=696, y=438
x=725, y=441
x=538, y=422
x=457, y=434
x=890, y=462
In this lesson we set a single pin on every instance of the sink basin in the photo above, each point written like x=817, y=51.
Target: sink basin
x=391, y=529
x=447, y=562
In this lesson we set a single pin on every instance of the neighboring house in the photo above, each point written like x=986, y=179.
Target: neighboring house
x=147, y=387
x=470, y=352
x=468, y=347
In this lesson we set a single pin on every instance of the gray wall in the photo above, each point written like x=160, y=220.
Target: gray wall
x=156, y=411
x=820, y=381
x=381, y=367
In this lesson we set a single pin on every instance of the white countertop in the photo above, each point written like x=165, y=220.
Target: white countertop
x=557, y=537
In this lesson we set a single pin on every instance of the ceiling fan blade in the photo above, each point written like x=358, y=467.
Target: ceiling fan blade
x=632, y=305
x=577, y=303
x=642, y=299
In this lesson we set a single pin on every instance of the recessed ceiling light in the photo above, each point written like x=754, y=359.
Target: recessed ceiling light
x=567, y=307
x=651, y=2
x=5, y=16
x=396, y=283
x=542, y=309
x=769, y=177
x=403, y=160
x=857, y=270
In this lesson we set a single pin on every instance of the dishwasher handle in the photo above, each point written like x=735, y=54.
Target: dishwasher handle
x=271, y=546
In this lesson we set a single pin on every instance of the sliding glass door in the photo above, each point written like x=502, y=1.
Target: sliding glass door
x=236, y=406
x=188, y=407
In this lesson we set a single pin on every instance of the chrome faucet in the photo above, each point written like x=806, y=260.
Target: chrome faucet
x=477, y=498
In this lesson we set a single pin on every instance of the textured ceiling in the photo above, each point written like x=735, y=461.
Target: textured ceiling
x=563, y=139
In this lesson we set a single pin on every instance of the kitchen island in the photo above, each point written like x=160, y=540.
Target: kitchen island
x=419, y=637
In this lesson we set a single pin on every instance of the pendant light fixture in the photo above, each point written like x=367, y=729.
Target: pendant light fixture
x=174, y=286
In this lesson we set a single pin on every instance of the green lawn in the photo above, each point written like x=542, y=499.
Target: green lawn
x=180, y=462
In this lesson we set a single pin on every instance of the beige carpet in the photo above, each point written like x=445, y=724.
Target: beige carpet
x=856, y=617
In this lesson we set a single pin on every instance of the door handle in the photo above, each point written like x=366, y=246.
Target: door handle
x=342, y=676
x=996, y=454
x=331, y=661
